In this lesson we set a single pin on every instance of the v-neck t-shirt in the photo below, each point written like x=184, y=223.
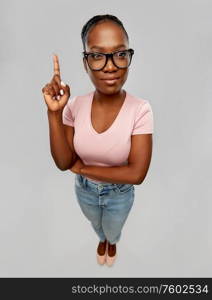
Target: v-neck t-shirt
x=112, y=146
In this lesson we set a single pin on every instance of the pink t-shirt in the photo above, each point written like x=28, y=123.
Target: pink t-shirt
x=111, y=147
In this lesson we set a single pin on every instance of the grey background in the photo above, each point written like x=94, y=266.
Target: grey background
x=42, y=229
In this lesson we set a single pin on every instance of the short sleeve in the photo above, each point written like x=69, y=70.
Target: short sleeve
x=144, y=122
x=68, y=112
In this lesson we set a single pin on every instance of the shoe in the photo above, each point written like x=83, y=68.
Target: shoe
x=101, y=252
x=111, y=254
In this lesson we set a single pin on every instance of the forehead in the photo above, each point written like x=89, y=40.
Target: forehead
x=106, y=36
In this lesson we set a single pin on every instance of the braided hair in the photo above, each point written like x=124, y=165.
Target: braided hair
x=95, y=20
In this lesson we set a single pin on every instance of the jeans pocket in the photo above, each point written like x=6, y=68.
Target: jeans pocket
x=124, y=187
x=78, y=181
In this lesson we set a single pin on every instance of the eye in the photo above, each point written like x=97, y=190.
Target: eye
x=121, y=54
x=96, y=56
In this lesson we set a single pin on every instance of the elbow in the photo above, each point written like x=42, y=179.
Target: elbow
x=136, y=176
x=64, y=167
x=139, y=177
x=138, y=180
x=70, y=164
x=61, y=167
x=135, y=180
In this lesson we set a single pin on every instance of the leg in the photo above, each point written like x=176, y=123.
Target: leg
x=115, y=214
x=91, y=210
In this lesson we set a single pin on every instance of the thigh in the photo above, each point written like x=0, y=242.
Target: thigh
x=119, y=205
x=88, y=202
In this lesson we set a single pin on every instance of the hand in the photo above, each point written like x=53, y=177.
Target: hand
x=77, y=166
x=56, y=93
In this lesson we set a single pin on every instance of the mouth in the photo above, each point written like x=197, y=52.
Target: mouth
x=111, y=81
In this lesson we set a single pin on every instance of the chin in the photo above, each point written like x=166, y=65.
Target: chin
x=109, y=90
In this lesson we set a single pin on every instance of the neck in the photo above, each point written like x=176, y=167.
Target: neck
x=104, y=99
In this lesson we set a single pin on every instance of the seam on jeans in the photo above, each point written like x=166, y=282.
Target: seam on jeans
x=125, y=190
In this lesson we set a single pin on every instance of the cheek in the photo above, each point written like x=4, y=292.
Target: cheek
x=124, y=77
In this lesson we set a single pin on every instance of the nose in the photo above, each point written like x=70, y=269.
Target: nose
x=110, y=65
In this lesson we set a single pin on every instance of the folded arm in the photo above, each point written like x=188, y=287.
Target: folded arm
x=134, y=172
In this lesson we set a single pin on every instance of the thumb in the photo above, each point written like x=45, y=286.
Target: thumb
x=65, y=87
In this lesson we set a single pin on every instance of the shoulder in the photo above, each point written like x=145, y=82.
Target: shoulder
x=83, y=97
x=142, y=115
x=139, y=104
x=74, y=102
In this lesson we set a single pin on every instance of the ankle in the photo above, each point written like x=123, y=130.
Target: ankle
x=111, y=249
x=102, y=247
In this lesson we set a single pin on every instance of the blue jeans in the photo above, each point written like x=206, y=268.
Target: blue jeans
x=105, y=205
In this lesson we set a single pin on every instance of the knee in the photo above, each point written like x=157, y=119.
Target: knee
x=97, y=225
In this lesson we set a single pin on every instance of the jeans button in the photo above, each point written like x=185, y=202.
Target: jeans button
x=100, y=187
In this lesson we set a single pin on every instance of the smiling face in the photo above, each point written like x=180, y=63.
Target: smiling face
x=107, y=37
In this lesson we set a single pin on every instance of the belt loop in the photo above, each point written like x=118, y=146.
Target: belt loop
x=84, y=180
x=81, y=179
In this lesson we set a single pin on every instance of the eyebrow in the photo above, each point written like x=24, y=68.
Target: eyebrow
x=102, y=48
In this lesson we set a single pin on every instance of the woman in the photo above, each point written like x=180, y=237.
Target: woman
x=104, y=136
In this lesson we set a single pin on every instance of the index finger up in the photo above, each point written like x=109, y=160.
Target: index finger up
x=56, y=65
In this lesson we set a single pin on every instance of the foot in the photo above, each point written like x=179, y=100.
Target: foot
x=101, y=252
x=111, y=254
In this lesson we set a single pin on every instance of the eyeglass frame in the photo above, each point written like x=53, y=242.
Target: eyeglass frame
x=108, y=55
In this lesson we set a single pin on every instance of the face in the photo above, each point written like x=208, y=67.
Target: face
x=107, y=37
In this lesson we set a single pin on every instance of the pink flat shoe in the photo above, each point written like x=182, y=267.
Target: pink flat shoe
x=101, y=252
x=111, y=254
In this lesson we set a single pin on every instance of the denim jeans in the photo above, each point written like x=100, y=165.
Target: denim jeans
x=105, y=205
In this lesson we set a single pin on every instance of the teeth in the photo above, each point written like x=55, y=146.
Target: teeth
x=61, y=92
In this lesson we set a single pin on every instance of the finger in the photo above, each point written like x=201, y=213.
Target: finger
x=48, y=93
x=51, y=91
x=46, y=89
x=61, y=85
x=57, y=79
x=55, y=87
x=56, y=65
x=63, y=99
x=63, y=88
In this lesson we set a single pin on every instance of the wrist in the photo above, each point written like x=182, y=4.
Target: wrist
x=81, y=170
x=55, y=114
x=52, y=112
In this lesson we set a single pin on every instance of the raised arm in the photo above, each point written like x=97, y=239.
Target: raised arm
x=56, y=95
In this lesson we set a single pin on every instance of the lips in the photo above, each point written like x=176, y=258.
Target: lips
x=110, y=78
x=110, y=81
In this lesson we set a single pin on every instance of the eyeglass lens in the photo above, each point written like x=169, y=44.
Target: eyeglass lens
x=97, y=60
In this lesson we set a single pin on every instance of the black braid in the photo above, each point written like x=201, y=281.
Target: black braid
x=96, y=19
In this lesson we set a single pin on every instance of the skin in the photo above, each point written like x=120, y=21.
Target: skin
x=106, y=105
x=52, y=90
x=107, y=102
x=108, y=36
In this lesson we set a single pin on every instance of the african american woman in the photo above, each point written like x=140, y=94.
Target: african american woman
x=104, y=136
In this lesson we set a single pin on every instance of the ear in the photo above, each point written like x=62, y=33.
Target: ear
x=85, y=64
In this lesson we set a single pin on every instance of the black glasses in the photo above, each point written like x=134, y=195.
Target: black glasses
x=98, y=60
